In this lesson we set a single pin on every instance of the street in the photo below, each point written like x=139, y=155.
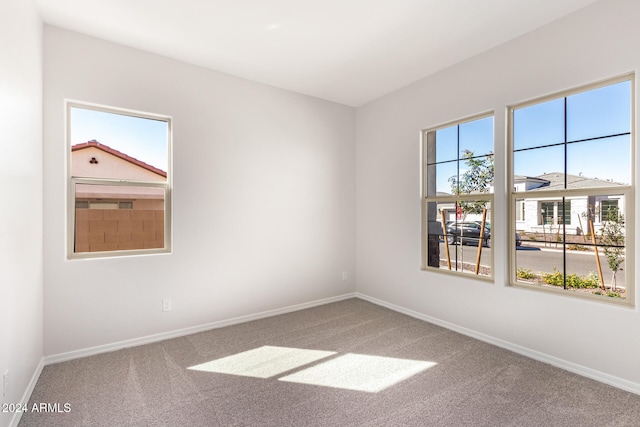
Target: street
x=540, y=260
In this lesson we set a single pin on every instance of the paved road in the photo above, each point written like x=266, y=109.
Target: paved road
x=539, y=259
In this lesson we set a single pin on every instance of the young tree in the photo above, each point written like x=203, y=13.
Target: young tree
x=612, y=238
x=478, y=178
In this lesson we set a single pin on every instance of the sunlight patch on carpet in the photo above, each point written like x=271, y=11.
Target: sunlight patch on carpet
x=360, y=372
x=263, y=362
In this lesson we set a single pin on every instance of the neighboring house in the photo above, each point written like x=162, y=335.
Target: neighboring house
x=541, y=213
x=116, y=217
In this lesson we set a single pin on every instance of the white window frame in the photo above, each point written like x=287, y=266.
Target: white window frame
x=627, y=191
x=72, y=181
x=451, y=199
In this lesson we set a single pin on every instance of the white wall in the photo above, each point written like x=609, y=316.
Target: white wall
x=21, y=190
x=263, y=202
x=595, y=43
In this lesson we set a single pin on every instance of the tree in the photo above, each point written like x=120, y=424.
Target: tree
x=478, y=178
x=612, y=238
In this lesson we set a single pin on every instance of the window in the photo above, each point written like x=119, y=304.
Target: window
x=555, y=213
x=119, y=182
x=570, y=161
x=608, y=209
x=520, y=210
x=457, y=196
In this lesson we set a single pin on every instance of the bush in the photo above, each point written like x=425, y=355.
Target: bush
x=525, y=273
x=572, y=280
x=556, y=278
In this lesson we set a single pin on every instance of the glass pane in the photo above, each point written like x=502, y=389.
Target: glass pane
x=118, y=218
x=538, y=125
x=446, y=144
x=600, y=162
x=109, y=145
x=599, y=112
x=539, y=169
x=477, y=137
x=540, y=259
x=454, y=246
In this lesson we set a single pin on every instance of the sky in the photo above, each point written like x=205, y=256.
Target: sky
x=143, y=139
x=592, y=114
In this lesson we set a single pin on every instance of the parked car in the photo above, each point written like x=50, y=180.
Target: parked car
x=469, y=232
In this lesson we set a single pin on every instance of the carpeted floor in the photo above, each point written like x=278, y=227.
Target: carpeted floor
x=370, y=366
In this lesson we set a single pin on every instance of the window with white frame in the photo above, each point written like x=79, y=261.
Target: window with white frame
x=571, y=167
x=457, y=193
x=119, y=192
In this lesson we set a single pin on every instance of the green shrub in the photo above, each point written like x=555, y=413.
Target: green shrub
x=591, y=280
x=572, y=280
x=525, y=273
x=556, y=278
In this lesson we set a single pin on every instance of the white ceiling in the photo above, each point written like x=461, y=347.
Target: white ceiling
x=347, y=51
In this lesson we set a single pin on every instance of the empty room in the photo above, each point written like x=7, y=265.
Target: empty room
x=354, y=212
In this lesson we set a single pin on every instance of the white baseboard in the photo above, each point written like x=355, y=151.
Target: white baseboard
x=62, y=357
x=27, y=394
x=536, y=355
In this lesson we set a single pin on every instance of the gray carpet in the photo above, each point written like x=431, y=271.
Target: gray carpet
x=471, y=383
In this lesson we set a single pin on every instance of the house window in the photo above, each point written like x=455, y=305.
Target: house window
x=520, y=210
x=570, y=159
x=555, y=213
x=547, y=212
x=119, y=182
x=608, y=209
x=458, y=196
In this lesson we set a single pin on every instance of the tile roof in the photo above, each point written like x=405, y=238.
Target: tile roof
x=114, y=152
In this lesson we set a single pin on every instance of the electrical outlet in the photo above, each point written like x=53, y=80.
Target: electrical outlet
x=5, y=383
x=166, y=304
x=345, y=276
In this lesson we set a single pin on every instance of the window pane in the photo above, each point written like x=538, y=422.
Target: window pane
x=106, y=226
x=538, y=125
x=531, y=168
x=599, y=112
x=600, y=162
x=540, y=259
x=477, y=137
x=455, y=246
x=118, y=146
